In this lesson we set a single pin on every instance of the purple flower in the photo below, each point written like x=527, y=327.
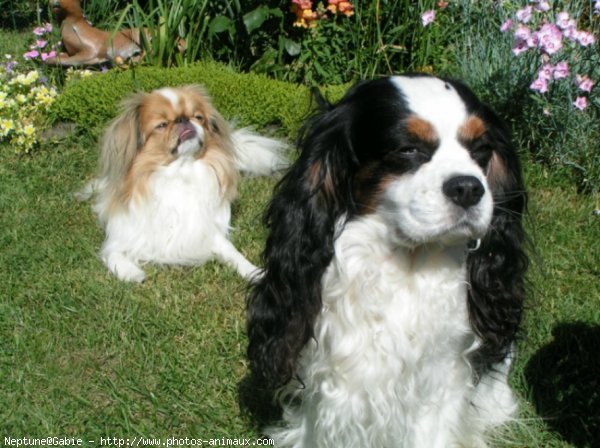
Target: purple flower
x=597, y=7
x=508, y=25
x=541, y=85
x=584, y=83
x=524, y=15
x=48, y=27
x=584, y=38
x=561, y=70
x=31, y=54
x=550, y=37
x=581, y=103
x=10, y=65
x=428, y=17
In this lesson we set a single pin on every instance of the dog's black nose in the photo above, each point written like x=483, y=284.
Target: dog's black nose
x=464, y=191
x=182, y=120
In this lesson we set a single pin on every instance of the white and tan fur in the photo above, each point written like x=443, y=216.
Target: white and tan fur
x=169, y=169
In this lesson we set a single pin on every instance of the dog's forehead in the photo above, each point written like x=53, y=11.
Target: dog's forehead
x=433, y=100
x=182, y=101
x=171, y=95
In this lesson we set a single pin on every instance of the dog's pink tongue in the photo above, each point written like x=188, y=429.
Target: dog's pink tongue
x=187, y=133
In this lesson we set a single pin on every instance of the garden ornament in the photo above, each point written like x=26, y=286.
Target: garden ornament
x=86, y=45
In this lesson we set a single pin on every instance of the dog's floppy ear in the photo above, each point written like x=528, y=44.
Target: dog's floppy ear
x=497, y=268
x=308, y=204
x=121, y=141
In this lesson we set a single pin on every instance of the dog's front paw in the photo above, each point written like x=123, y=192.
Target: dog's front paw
x=123, y=267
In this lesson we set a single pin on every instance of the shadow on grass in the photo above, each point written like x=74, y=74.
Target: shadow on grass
x=564, y=377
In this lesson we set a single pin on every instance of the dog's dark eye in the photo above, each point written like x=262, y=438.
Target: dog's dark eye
x=199, y=118
x=408, y=150
x=482, y=153
x=482, y=148
x=161, y=125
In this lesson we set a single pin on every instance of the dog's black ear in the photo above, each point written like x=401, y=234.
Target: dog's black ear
x=497, y=268
x=308, y=205
x=323, y=104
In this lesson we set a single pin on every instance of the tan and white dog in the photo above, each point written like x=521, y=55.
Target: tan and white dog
x=169, y=168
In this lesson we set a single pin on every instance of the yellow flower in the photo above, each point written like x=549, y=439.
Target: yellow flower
x=21, y=99
x=6, y=126
x=28, y=131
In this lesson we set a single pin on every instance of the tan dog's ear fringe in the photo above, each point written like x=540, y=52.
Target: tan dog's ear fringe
x=121, y=141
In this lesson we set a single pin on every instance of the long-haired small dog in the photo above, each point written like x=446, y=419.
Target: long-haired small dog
x=394, y=272
x=169, y=168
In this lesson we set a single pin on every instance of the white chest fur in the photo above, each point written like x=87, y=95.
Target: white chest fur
x=178, y=220
x=388, y=366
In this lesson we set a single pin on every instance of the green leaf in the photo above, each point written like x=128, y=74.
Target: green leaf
x=220, y=24
x=291, y=47
x=254, y=19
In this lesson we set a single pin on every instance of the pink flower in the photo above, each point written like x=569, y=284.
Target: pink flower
x=543, y=5
x=570, y=32
x=520, y=47
x=39, y=31
x=508, y=25
x=584, y=83
x=428, y=17
x=533, y=41
x=550, y=37
x=41, y=43
x=563, y=20
x=31, y=54
x=546, y=72
x=46, y=56
x=523, y=32
x=524, y=15
x=561, y=70
x=541, y=85
x=48, y=27
x=584, y=38
x=581, y=103
x=303, y=4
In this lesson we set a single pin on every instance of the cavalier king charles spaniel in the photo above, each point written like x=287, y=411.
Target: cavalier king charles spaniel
x=169, y=169
x=394, y=272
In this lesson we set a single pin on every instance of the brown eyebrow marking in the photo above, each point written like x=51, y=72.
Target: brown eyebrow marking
x=422, y=129
x=472, y=129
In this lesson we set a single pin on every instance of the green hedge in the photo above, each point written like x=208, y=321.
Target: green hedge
x=247, y=99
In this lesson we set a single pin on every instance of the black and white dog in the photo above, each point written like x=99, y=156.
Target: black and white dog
x=394, y=272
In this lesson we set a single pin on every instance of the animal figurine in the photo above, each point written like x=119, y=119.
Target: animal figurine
x=86, y=45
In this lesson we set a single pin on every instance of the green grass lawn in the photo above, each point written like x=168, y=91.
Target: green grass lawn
x=85, y=355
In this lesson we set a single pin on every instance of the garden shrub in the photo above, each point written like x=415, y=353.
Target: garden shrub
x=245, y=98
